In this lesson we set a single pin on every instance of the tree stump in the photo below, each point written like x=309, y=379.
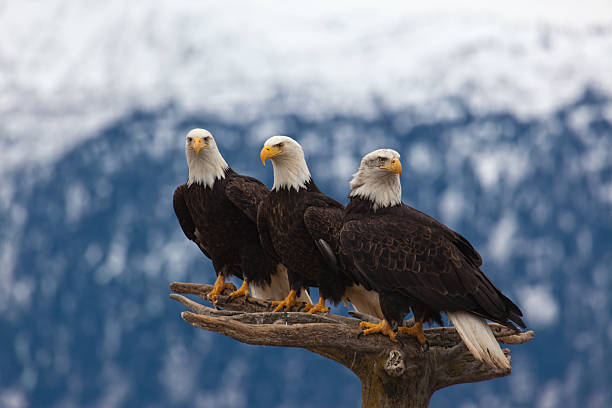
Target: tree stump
x=392, y=374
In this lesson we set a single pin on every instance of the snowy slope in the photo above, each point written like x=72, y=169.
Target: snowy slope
x=70, y=68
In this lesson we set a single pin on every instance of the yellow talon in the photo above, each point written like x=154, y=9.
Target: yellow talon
x=383, y=327
x=243, y=291
x=416, y=330
x=288, y=302
x=218, y=288
x=318, y=308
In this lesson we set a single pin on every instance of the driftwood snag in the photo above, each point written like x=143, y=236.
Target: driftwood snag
x=392, y=374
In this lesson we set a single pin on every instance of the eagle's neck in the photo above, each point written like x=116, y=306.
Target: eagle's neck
x=383, y=191
x=206, y=168
x=290, y=172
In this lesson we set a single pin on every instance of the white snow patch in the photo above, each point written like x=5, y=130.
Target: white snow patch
x=452, y=205
x=77, y=202
x=115, y=386
x=178, y=374
x=605, y=192
x=312, y=142
x=423, y=160
x=584, y=243
x=229, y=392
x=13, y=398
x=550, y=395
x=523, y=383
x=172, y=254
x=12, y=291
x=115, y=261
x=111, y=342
x=508, y=164
x=580, y=119
x=539, y=305
x=93, y=254
x=606, y=112
x=22, y=292
x=567, y=221
x=343, y=166
x=502, y=240
x=7, y=193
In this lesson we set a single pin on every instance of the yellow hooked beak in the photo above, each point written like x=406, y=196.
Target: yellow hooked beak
x=197, y=144
x=395, y=166
x=268, y=152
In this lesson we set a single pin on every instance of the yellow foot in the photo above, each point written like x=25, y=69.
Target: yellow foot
x=243, y=291
x=383, y=327
x=288, y=302
x=318, y=308
x=218, y=288
x=417, y=331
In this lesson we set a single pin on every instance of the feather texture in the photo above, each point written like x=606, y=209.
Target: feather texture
x=399, y=249
x=284, y=233
x=219, y=219
x=415, y=263
x=479, y=339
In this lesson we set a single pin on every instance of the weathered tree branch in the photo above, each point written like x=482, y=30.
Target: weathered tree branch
x=392, y=374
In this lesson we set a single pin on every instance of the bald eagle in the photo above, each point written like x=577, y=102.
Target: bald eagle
x=292, y=218
x=416, y=263
x=217, y=209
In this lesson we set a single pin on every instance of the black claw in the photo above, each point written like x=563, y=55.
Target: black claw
x=360, y=333
x=425, y=346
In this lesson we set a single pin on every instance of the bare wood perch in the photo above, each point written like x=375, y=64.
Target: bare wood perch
x=391, y=374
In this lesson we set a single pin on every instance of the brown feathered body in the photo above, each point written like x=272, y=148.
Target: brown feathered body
x=416, y=263
x=221, y=220
x=286, y=234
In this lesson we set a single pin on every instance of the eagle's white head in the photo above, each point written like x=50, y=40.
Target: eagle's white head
x=203, y=158
x=290, y=169
x=378, y=179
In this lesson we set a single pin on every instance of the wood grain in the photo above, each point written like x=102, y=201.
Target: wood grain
x=392, y=374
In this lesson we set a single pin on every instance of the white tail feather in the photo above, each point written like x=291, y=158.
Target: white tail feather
x=278, y=287
x=364, y=301
x=479, y=339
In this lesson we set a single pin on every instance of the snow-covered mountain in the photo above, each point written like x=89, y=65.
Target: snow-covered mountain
x=503, y=118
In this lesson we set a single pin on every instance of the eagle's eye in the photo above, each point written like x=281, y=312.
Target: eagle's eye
x=189, y=139
x=279, y=145
x=206, y=139
x=381, y=161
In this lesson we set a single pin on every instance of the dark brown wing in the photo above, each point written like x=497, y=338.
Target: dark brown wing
x=323, y=218
x=398, y=252
x=460, y=242
x=264, y=233
x=246, y=193
x=324, y=225
x=184, y=217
